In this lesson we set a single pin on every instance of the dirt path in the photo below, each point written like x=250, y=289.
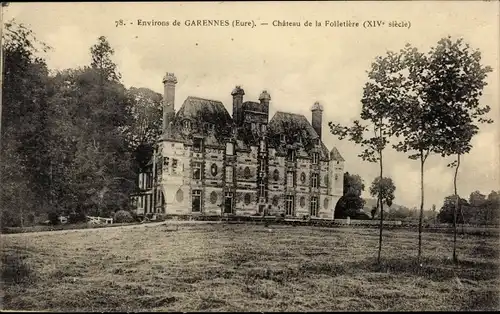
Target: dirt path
x=105, y=229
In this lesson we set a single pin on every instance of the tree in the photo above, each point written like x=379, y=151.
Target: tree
x=101, y=60
x=386, y=187
x=351, y=202
x=454, y=86
x=446, y=213
x=380, y=96
x=23, y=120
x=145, y=127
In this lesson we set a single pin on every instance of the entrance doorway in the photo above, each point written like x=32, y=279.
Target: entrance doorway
x=228, y=203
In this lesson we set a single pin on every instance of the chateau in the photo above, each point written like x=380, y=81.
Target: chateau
x=208, y=162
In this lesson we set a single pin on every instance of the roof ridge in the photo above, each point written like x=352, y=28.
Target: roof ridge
x=201, y=98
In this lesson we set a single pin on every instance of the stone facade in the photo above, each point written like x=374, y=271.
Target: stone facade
x=208, y=162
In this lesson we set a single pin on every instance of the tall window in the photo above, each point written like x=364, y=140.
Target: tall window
x=187, y=125
x=315, y=158
x=262, y=146
x=197, y=170
x=291, y=155
x=263, y=128
x=314, y=206
x=283, y=138
x=198, y=144
x=289, y=179
x=174, y=166
x=254, y=127
x=314, y=180
x=229, y=149
x=262, y=166
x=229, y=174
x=289, y=205
x=140, y=180
x=262, y=190
x=196, y=201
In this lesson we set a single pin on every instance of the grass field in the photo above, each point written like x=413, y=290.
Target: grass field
x=222, y=267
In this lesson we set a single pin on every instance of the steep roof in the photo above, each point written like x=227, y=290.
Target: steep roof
x=207, y=110
x=298, y=132
x=207, y=117
x=335, y=155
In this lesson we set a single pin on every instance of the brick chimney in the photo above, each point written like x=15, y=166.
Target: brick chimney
x=317, y=118
x=169, y=81
x=237, y=94
x=265, y=98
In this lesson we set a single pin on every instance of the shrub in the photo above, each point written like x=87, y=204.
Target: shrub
x=123, y=216
x=53, y=218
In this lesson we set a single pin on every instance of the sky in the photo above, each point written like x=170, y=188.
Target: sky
x=296, y=65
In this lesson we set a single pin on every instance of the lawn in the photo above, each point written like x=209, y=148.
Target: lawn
x=236, y=267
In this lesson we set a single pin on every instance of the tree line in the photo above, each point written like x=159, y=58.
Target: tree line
x=72, y=141
x=420, y=103
x=478, y=209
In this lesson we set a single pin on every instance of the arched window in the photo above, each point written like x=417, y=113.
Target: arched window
x=326, y=203
x=247, y=173
x=247, y=199
x=179, y=196
x=229, y=149
x=276, y=175
x=302, y=201
x=214, y=170
x=275, y=200
x=213, y=197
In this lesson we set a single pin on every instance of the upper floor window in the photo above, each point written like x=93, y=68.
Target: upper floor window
x=262, y=146
x=254, y=127
x=314, y=180
x=197, y=170
x=229, y=149
x=315, y=158
x=291, y=155
x=229, y=174
x=289, y=179
x=263, y=128
x=198, y=144
x=174, y=165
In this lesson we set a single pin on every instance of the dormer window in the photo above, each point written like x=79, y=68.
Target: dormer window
x=262, y=146
x=263, y=128
x=315, y=158
x=229, y=149
x=186, y=125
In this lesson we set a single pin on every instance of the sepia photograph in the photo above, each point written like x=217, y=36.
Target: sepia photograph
x=285, y=156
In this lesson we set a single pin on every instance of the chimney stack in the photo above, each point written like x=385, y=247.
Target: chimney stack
x=237, y=94
x=264, y=100
x=317, y=118
x=169, y=81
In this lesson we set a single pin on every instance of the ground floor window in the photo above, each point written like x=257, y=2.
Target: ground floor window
x=289, y=205
x=196, y=201
x=314, y=206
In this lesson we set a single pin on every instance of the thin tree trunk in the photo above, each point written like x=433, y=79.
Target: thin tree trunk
x=455, y=211
x=381, y=211
x=420, y=220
